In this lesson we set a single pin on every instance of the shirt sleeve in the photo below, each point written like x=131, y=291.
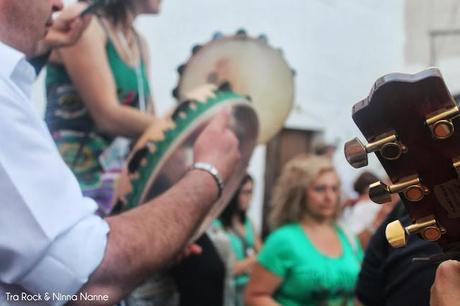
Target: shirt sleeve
x=50, y=240
x=275, y=253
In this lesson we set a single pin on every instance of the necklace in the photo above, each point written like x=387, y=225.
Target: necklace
x=137, y=67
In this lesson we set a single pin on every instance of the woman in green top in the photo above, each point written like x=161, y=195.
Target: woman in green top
x=309, y=259
x=243, y=238
x=97, y=91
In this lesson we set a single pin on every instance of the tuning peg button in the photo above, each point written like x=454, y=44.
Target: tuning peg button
x=396, y=234
x=379, y=193
x=427, y=227
x=388, y=146
x=356, y=153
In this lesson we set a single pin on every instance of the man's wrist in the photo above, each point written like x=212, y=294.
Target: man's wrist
x=213, y=172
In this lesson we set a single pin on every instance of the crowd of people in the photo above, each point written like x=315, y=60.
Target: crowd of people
x=58, y=180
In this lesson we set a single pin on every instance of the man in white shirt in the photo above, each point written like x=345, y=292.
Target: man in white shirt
x=51, y=243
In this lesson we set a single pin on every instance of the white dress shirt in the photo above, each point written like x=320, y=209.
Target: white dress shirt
x=50, y=238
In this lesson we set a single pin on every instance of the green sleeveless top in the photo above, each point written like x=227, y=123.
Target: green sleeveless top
x=69, y=112
x=74, y=131
x=240, y=247
x=310, y=278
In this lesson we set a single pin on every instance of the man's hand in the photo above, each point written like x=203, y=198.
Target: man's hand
x=66, y=29
x=446, y=288
x=218, y=145
x=190, y=250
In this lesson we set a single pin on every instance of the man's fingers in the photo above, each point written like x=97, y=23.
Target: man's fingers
x=195, y=249
x=221, y=121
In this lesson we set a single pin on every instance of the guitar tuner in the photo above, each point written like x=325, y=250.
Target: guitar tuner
x=395, y=118
x=427, y=227
x=411, y=188
x=441, y=125
x=388, y=146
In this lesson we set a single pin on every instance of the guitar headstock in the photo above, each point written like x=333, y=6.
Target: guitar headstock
x=409, y=123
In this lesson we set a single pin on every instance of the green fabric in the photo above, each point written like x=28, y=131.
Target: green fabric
x=310, y=278
x=238, y=248
x=124, y=75
x=73, y=128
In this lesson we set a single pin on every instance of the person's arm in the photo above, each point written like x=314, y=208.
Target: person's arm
x=87, y=65
x=257, y=239
x=143, y=240
x=244, y=266
x=446, y=286
x=365, y=235
x=261, y=287
x=67, y=28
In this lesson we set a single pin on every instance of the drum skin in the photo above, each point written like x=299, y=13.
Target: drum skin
x=252, y=68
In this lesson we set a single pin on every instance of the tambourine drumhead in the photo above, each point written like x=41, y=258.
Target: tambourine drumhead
x=167, y=160
x=252, y=68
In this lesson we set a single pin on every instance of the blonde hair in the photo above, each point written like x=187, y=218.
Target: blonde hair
x=289, y=201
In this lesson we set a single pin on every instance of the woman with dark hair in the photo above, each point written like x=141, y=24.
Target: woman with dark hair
x=99, y=98
x=243, y=237
x=98, y=92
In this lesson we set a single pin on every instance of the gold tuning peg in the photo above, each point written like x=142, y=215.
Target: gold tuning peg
x=427, y=227
x=456, y=165
x=396, y=234
x=411, y=188
x=388, y=145
x=441, y=125
x=379, y=192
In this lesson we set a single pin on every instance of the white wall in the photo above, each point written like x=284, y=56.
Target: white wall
x=423, y=18
x=338, y=48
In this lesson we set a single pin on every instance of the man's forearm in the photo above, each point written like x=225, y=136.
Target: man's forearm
x=142, y=240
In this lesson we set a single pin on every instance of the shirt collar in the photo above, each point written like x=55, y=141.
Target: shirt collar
x=9, y=59
x=15, y=67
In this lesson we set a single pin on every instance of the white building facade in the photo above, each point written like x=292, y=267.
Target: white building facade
x=338, y=49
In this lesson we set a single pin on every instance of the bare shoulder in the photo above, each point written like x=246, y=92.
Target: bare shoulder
x=94, y=37
x=143, y=41
x=95, y=33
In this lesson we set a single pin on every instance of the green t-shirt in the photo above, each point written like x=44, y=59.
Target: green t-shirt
x=310, y=278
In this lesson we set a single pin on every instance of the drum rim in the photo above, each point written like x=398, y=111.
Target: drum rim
x=172, y=139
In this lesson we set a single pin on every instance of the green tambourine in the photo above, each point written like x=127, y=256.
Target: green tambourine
x=160, y=163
